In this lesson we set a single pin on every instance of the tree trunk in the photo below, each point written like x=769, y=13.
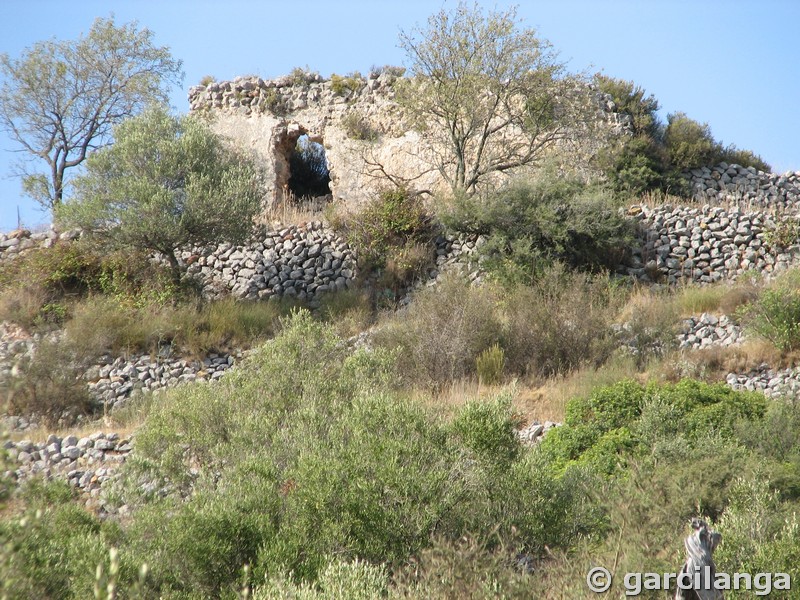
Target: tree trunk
x=175, y=267
x=699, y=568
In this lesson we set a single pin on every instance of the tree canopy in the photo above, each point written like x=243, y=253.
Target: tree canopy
x=165, y=183
x=60, y=99
x=490, y=96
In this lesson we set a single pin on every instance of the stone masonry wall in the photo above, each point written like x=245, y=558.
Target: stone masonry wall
x=748, y=187
x=359, y=124
x=708, y=244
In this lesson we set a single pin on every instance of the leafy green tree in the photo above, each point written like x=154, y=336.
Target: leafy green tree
x=489, y=95
x=165, y=183
x=689, y=143
x=60, y=99
x=630, y=99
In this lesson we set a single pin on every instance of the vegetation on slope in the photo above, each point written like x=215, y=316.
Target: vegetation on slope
x=315, y=470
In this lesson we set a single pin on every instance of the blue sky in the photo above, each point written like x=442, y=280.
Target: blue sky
x=733, y=64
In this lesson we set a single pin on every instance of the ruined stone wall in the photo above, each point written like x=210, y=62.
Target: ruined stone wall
x=746, y=186
x=356, y=119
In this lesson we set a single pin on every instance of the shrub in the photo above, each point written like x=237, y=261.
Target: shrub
x=487, y=429
x=744, y=158
x=561, y=322
x=49, y=384
x=630, y=99
x=689, y=144
x=612, y=423
x=638, y=165
x=533, y=223
x=348, y=84
x=392, y=234
x=303, y=76
x=775, y=316
x=758, y=535
x=53, y=548
x=207, y=80
x=38, y=284
x=490, y=364
x=159, y=188
x=442, y=332
x=357, y=127
x=784, y=234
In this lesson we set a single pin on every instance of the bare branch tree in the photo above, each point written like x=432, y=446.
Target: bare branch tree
x=487, y=95
x=60, y=99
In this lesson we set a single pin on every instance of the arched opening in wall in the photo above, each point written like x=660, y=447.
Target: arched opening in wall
x=309, y=176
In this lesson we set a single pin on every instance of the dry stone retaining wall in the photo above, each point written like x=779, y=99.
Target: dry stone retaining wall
x=302, y=261
x=706, y=244
x=709, y=330
x=726, y=183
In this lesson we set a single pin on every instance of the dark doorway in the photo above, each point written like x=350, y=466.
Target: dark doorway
x=310, y=177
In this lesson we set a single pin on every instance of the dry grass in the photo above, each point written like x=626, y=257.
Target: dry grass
x=106, y=425
x=292, y=212
x=448, y=399
x=714, y=363
x=547, y=400
x=349, y=311
x=723, y=298
x=22, y=304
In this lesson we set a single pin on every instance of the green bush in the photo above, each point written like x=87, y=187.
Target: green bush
x=283, y=472
x=775, y=316
x=53, y=548
x=487, y=429
x=630, y=99
x=49, y=385
x=392, y=234
x=490, y=364
x=347, y=84
x=529, y=224
x=626, y=419
x=640, y=164
x=38, y=285
x=744, y=158
x=758, y=535
x=159, y=188
x=689, y=144
x=303, y=76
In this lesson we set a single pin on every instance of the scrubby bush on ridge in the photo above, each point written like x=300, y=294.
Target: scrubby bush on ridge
x=530, y=224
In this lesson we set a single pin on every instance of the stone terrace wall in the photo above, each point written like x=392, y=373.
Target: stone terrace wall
x=706, y=244
x=301, y=261
x=19, y=241
x=726, y=183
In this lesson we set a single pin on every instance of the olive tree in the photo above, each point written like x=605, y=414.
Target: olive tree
x=489, y=95
x=60, y=99
x=167, y=182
